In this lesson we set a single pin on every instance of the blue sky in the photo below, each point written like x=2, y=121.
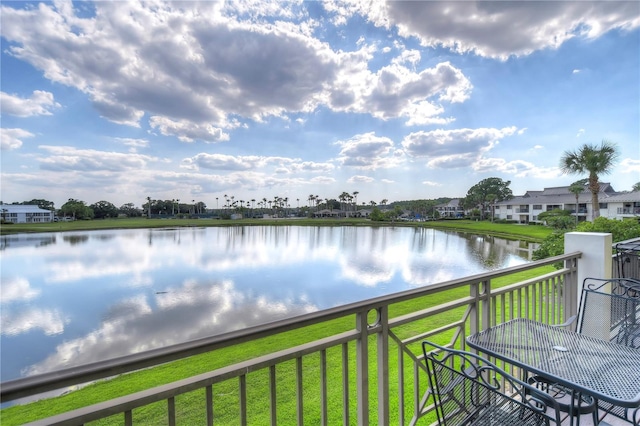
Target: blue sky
x=120, y=101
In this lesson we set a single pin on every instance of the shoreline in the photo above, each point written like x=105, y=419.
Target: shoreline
x=531, y=233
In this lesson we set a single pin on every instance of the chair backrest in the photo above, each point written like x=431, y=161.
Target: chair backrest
x=467, y=389
x=617, y=300
x=628, y=259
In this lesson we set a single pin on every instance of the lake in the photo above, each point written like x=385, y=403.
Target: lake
x=77, y=297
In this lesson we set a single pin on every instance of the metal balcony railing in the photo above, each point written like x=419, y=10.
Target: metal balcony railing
x=370, y=372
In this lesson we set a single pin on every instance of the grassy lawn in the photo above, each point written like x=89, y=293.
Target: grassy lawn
x=525, y=232
x=190, y=407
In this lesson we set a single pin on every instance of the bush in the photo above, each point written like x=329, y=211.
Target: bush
x=621, y=230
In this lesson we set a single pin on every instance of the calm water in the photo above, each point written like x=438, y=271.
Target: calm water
x=73, y=298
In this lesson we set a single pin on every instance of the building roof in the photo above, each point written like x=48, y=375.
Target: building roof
x=23, y=208
x=562, y=195
x=605, y=188
x=454, y=203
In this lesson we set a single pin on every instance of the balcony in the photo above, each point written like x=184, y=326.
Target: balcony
x=367, y=370
x=631, y=211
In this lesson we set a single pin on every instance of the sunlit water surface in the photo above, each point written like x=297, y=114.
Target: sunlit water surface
x=77, y=297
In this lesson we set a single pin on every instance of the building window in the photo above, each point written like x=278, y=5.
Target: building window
x=603, y=205
x=509, y=207
x=537, y=206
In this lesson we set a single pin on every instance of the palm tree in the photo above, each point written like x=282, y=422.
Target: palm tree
x=576, y=188
x=594, y=160
x=355, y=195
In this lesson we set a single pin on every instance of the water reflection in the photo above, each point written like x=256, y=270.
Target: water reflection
x=72, y=298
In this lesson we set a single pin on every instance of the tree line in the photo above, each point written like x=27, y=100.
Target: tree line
x=590, y=159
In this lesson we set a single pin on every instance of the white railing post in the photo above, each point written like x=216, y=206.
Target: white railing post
x=383, y=365
x=362, y=367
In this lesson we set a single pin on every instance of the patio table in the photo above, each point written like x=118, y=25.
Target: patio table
x=605, y=370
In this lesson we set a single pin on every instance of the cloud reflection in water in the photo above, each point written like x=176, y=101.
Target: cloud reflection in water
x=88, y=296
x=183, y=313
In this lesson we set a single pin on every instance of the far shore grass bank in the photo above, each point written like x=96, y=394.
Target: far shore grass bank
x=534, y=233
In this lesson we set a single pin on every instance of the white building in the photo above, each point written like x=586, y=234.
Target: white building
x=25, y=213
x=451, y=209
x=526, y=208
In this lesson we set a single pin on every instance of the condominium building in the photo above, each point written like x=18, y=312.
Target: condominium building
x=25, y=213
x=526, y=208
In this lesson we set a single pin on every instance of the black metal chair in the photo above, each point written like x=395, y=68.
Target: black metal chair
x=469, y=390
x=621, y=297
x=628, y=259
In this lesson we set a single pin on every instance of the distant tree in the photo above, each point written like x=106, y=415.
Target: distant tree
x=577, y=188
x=593, y=160
x=76, y=209
x=557, y=219
x=376, y=215
x=43, y=204
x=636, y=187
x=130, y=210
x=104, y=209
x=488, y=190
x=148, y=207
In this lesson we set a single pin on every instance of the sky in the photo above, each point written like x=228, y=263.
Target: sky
x=120, y=101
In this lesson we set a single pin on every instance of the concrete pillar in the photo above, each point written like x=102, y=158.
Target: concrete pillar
x=595, y=262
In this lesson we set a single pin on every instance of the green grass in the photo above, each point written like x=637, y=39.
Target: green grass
x=525, y=232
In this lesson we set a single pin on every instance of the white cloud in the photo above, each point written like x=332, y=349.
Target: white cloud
x=322, y=180
x=368, y=151
x=282, y=165
x=16, y=288
x=49, y=321
x=187, y=131
x=214, y=68
x=197, y=310
x=134, y=143
x=495, y=29
x=12, y=138
x=68, y=158
x=360, y=179
x=630, y=165
x=430, y=183
x=395, y=91
x=40, y=103
x=517, y=168
x=454, y=148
